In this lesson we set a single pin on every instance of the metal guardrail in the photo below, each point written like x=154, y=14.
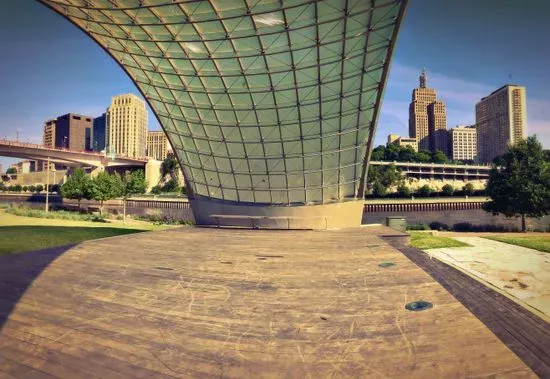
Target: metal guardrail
x=158, y=204
x=422, y=207
x=410, y=206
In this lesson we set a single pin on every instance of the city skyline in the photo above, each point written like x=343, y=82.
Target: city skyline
x=461, y=83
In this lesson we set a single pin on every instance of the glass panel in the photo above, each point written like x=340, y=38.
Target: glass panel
x=227, y=77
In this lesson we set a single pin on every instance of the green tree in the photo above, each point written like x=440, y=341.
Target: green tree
x=105, y=187
x=32, y=188
x=439, y=157
x=25, y=188
x=379, y=190
x=468, y=189
x=17, y=188
x=392, y=152
x=423, y=156
x=385, y=176
x=77, y=186
x=520, y=185
x=378, y=153
x=169, y=167
x=11, y=171
x=2, y=186
x=132, y=183
x=389, y=175
x=447, y=190
x=404, y=191
x=171, y=186
x=407, y=154
x=425, y=191
x=39, y=188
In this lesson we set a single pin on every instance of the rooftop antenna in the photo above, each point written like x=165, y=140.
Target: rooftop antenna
x=423, y=78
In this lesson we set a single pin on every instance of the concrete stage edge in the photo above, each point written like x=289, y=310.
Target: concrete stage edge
x=325, y=216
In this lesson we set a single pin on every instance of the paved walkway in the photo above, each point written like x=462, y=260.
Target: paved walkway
x=215, y=303
x=518, y=272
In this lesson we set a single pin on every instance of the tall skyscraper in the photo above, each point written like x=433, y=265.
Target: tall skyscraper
x=158, y=146
x=427, y=118
x=437, y=125
x=126, y=130
x=98, y=133
x=501, y=119
x=463, y=143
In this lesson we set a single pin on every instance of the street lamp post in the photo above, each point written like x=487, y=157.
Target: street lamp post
x=48, y=186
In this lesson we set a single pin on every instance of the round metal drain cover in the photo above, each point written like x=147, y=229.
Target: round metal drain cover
x=386, y=264
x=418, y=306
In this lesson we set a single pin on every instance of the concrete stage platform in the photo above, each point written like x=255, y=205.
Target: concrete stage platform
x=220, y=303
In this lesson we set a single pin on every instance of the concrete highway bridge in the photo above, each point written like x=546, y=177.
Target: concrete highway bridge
x=95, y=161
x=66, y=157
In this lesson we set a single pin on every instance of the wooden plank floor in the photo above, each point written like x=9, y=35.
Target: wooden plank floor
x=524, y=332
x=236, y=303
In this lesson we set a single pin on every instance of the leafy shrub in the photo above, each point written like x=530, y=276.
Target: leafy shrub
x=425, y=191
x=171, y=186
x=379, y=190
x=447, y=190
x=17, y=188
x=158, y=219
x=25, y=188
x=468, y=227
x=39, y=188
x=468, y=189
x=436, y=225
x=404, y=191
x=156, y=190
x=61, y=215
x=418, y=227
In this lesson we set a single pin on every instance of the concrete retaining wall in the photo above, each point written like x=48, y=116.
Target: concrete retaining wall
x=454, y=216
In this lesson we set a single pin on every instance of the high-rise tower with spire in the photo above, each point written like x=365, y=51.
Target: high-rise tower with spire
x=427, y=118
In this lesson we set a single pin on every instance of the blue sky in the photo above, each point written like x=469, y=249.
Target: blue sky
x=469, y=47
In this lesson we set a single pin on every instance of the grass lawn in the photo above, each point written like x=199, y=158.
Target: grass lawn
x=20, y=234
x=426, y=241
x=540, y=243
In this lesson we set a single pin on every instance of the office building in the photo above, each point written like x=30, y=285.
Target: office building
x=72, y=131
x=48, y=137
x=402, y=141
x=98, y=133
x=25, y=166
x=463, y=143
x=501, y=120
x=427, y=118
x=126, y=126
x=158, y=146
x=437, y=124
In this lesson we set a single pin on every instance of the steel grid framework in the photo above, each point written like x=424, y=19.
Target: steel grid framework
x=264, y=101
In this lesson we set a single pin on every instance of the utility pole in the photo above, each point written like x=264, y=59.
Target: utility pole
x=18, y=131
x=48, y=186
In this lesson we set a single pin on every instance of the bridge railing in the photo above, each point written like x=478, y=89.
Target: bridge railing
x=7, y=142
